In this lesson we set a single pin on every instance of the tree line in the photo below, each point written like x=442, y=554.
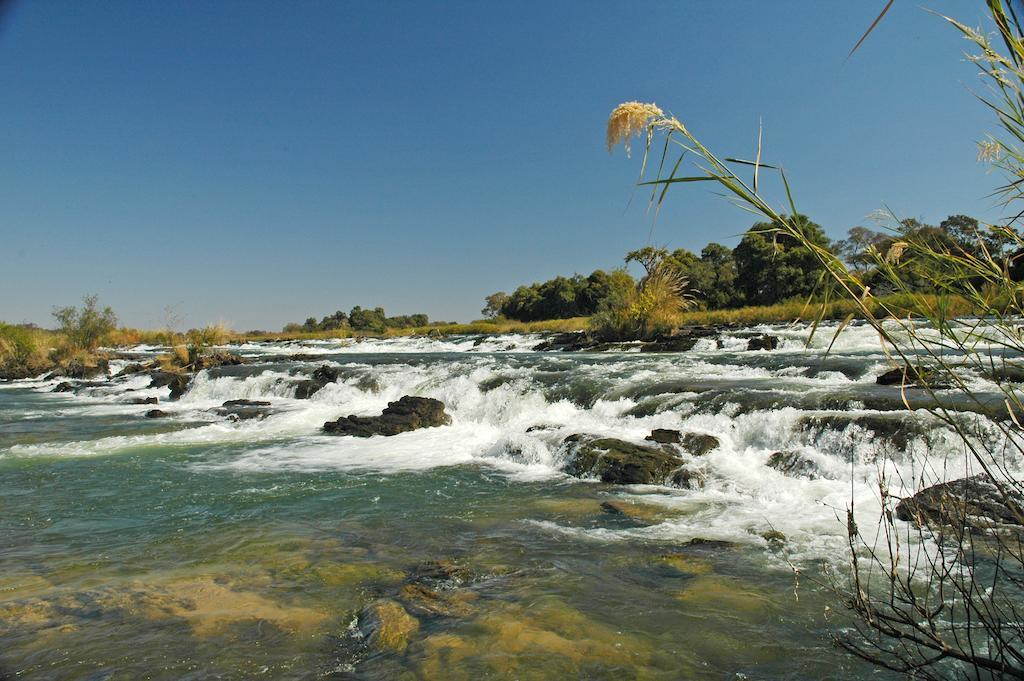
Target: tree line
x=765, y=268
x=359, y=319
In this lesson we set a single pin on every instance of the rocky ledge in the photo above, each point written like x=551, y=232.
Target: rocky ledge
x=408, y=413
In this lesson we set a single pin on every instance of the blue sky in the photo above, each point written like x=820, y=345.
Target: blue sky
x=257, y=163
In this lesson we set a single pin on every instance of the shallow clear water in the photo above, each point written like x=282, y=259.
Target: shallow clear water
x=197, y=547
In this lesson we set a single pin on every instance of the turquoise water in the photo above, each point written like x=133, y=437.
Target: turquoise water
x=194, y=547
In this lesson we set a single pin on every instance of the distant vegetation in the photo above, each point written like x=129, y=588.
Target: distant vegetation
x=768, y=270
x=358, y=319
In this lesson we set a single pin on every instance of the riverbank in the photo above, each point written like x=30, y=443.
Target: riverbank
x=28, y=352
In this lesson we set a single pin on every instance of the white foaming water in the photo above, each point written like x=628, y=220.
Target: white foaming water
x=511, y=410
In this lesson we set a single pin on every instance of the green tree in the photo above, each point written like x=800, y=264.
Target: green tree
x=493, y=304
x=722, y=291
x=772, y=266
x=367, y=320
x=648, y=257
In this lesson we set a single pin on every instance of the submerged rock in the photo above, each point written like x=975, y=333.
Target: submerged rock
x=974, y=501
x=387, y=626
x=143, y=400
x=156, y=414
x=408, y=413
x=64, y=387
x=618, y=462
x=441, y=574
x=426, y=602
x=794, y=464
x=763, y=342
x=647, y=514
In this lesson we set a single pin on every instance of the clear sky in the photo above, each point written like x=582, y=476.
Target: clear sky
x=261, y=162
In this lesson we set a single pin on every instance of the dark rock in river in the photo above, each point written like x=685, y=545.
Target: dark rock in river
x=322, y=375
x=974, y=501
x=670, y=344
x=178, y=383
x=64, y=387
x=1008, y=373
x=682, y=340
x=156, y=414
x=618, y=462
x=566, y=342
x=908, y=376
x=242, y=410
x=700, y=444
x=143, y=400
x=686, y=478
x=794, y=464
x=664, y=436
x=763, y=342
x=408, y=413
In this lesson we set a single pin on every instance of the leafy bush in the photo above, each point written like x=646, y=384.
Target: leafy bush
x=85, y=328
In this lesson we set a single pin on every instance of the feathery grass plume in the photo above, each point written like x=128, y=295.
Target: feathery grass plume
x=628, y=120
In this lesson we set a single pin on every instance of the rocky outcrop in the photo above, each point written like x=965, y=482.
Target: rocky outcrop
x=975, y=501
x=408, y=413
x=618, y=462
x=763, y=342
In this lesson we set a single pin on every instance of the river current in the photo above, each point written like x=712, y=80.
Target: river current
x=196, y=546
